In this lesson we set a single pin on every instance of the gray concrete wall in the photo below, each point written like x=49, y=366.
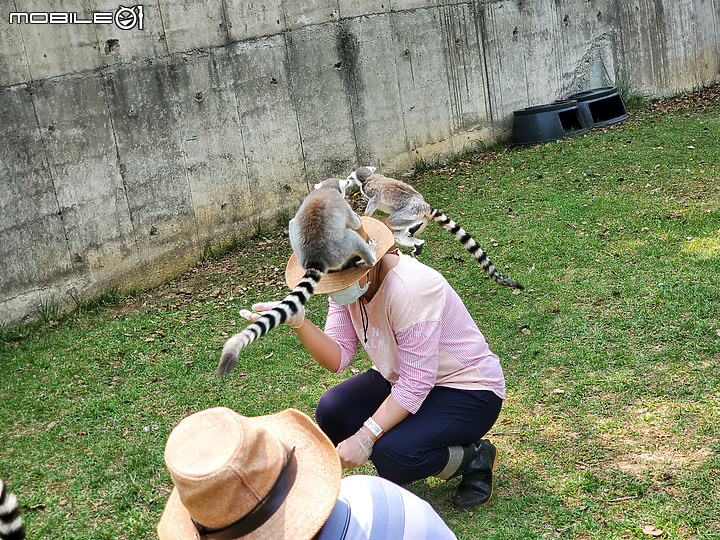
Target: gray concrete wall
x=123, y=153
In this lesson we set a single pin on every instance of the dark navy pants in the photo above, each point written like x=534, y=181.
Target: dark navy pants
x=416, y=447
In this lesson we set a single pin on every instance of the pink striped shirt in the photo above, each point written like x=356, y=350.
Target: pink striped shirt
x=419, y=335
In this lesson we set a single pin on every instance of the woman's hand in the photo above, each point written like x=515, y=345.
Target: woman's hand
x=355, y=450
x=296, y=321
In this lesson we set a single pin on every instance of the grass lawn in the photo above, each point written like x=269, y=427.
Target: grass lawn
x=611, y=428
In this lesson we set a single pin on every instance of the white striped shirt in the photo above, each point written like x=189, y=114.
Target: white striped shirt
x=372, y=508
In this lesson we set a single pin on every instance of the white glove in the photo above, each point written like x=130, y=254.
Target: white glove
x=295, y=321
x=355, y=450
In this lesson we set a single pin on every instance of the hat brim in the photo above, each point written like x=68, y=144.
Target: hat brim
x=311, y=498
x=337, y=281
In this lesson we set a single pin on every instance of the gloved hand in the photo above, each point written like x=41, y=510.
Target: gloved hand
x=355, y=450
x=296, y=321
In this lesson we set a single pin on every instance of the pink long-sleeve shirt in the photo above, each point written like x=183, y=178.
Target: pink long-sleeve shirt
x=419, y=335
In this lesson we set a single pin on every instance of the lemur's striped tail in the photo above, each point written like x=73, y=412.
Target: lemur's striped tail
x=11, y=524
x=270, y=319
x=473, y=247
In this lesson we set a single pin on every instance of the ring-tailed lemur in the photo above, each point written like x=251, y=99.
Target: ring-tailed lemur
x=11, y=523
x=408, y=214
x=324, y=238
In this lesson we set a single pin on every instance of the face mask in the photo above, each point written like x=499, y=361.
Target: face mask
x=349, y=295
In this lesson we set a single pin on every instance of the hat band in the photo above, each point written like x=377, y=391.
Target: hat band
x=262, y=511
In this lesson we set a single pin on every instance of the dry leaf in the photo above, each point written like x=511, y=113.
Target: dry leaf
x=650, y=530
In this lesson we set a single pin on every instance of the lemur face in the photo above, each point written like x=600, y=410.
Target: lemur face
x=360, y=175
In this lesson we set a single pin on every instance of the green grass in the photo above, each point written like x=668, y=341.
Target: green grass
x=611, y=353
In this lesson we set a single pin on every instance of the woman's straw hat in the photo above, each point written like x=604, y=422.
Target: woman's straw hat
x=337, y=281
x=268, y=477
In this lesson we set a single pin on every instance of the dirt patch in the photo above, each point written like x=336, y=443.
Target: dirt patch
x=650, y=445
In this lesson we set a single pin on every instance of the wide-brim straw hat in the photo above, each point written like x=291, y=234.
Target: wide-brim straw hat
x=337, y=281
x=224, y=464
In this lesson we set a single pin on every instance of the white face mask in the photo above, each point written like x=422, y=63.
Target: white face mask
x=349, y=295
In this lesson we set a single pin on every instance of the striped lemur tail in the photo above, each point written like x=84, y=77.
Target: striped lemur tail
x=473, y=247
x=270, y=319
x=11, y=524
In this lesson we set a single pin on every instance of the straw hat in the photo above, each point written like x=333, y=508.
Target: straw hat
x=231, y=470
x=337, y=281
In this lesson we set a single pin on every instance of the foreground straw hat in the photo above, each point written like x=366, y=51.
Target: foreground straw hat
x=232, y=470
x=337, y=281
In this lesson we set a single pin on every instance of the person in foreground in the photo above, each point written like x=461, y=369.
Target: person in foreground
x=279, y=477
x=435, y=389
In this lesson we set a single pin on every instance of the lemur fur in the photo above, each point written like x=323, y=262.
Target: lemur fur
x=408, y=215
x=324, y=237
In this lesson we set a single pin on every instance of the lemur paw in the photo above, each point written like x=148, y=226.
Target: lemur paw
x=417, y=250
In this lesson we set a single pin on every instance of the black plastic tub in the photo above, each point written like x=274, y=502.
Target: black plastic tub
x=544, y=123
x=600, y=106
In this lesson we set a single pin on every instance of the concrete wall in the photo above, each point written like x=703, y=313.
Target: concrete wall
x=124, y=152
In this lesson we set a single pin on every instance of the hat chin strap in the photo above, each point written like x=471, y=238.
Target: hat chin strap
x=262, y=511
